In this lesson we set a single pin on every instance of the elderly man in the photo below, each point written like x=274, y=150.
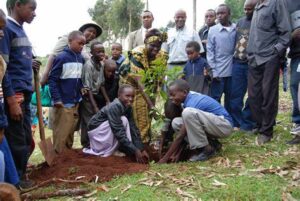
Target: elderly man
x=178, y=38
x=136, y=38
x=220, y=50
x=268, y=40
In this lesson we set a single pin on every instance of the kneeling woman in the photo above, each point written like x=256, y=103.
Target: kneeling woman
x=113, y=128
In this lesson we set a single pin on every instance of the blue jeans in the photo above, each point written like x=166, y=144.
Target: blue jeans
x=295, y=79
x=240, y=113
x=220, y=86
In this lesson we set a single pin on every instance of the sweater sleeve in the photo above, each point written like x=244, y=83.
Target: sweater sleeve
x=118, y=129
x=54, y=79
x=5, y=46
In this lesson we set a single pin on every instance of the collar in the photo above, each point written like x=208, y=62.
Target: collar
x=195, y=60
x=221, y=27
x=120, y=59
x=265, y=3
x=13, y=20
x=181, y=29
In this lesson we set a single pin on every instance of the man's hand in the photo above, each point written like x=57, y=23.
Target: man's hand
x=141, y=157
x=204, y=41
x=296, y=34
x=36, y=65
x=1, y=135
x=58, y=104
x=14, y=107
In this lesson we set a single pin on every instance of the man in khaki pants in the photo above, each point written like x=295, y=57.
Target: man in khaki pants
x=203, y=121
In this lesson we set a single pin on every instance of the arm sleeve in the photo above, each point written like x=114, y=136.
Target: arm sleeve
x=210, y=48
x=118, y=129
x=60, y=45
x=283, y=27
x=197, y=38
x=86, y=76
x=54, y=79
x=4, y=51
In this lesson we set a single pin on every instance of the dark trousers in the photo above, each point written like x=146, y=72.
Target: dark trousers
x=86, y=113
x=240, y=112
x=220, y=86
x=295, y=80
x=19, y=136
x=263, y=84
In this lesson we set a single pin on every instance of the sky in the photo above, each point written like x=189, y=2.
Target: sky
x=58, y=17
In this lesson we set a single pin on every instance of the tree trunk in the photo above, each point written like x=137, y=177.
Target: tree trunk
x=130, y=21
x=194, y=14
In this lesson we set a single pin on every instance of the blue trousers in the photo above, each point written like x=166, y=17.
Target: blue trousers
x=220, y=86
x=2, y=166
x=295, y=79
x=240, y=113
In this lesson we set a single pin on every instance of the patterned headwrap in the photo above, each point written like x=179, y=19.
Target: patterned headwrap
x=153, y=39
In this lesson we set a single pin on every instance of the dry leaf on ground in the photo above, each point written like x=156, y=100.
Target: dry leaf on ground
x=218, y=183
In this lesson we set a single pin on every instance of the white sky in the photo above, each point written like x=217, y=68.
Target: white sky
x=58, y=17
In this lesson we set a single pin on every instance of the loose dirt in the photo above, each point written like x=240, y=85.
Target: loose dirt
x=74, y=163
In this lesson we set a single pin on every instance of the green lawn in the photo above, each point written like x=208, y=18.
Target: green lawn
x=242, y=171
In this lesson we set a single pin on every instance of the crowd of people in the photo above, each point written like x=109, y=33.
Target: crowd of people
x=105, y=97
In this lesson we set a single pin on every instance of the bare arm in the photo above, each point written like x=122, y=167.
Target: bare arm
x=104, y=93
x=47, y=70
x=175, y=145
x=93, y=102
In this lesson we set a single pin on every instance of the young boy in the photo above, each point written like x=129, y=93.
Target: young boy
x=65, y=87
x=196, y=69
x=116, y=55
x=113, y=128
x=110, y=85
x=203, y=121
x=92, y=79
x=17, y=52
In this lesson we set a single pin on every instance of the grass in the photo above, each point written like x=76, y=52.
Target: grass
x=242, y=171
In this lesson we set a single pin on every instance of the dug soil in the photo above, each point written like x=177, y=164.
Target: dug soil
x=74, y=164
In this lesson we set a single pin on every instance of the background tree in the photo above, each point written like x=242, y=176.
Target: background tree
x=237, y=9
x=117, y=17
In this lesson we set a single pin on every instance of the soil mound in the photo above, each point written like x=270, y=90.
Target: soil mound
x=74, y=163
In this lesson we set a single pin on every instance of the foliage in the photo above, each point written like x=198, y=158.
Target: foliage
x=117, y=17
x=237, y=9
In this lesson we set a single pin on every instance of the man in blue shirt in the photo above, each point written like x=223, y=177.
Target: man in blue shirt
x=220, y=50
x=203, y=121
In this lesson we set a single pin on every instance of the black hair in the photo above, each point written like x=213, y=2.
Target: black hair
x=2, y=14
x=124, y=86
x=181, y=84
x=74, y=34
x=153, y=32
x=147, y=11
x=94, y=44
x=119, y=44
x=211, y=10
x=10, y=4
x=225, y=5
x=109, y=62
x=193, y=44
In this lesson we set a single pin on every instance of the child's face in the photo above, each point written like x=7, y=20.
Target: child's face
x=191, y=53
x=26, y=11
x=98, y=52
x=109, y=71
x=77, y=44
x=116, y=51
x=176, y=95
x=90, y=34
x=2, y=26
x=127, y=96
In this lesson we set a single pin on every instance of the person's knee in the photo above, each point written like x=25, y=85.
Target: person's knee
x=188, y=114
x=176, y=123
